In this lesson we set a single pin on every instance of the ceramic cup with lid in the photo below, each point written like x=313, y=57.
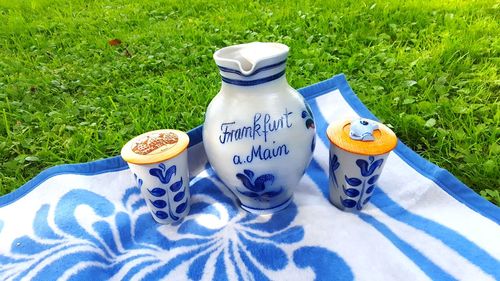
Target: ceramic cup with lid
x=358, y=153
x=159, y=163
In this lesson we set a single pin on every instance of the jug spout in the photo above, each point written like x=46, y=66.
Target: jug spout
x=250, y=59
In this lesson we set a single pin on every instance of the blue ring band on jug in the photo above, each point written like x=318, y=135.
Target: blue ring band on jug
x=253, y=82
x=268, y=71
x=277, y=207
x=267, y=67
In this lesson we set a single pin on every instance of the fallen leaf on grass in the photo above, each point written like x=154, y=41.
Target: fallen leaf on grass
x=114, y=42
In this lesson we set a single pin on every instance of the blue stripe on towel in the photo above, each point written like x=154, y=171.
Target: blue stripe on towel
x=320, y=122
x=317, y=175
x=452, y=239
x=482, y=259
x=108, y=165
x=195, y=136
x=426, y=265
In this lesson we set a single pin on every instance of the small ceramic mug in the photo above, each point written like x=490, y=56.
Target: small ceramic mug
x=159, y=163
x=358, y=153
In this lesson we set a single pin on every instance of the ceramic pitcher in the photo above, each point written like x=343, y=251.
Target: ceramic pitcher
x=259, y=132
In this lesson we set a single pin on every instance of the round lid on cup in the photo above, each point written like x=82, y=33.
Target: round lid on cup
x=155, y=146
x=362, y=136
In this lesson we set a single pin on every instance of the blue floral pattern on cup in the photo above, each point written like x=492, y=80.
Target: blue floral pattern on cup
x=334, y=165
x=356, y=192
x=160, y=196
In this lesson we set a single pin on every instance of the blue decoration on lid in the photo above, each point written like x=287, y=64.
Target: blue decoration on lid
x=362, y=129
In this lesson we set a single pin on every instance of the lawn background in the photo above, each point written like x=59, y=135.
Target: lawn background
x=429, y=69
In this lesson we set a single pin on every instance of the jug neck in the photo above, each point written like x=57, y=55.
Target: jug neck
x=268, y=75
x=260, y=87
x=256, y=64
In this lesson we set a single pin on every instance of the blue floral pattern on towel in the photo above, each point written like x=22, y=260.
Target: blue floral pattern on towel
x=216, y=240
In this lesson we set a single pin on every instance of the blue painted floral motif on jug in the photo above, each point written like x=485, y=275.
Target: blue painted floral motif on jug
x=257, y=189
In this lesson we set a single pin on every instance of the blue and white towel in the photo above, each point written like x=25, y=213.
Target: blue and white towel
x=88, y=222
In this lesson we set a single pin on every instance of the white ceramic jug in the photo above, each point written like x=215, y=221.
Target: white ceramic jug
x=259, y=132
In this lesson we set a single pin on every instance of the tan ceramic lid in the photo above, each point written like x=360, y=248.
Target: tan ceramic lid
x=155, y=146
x=384, y=139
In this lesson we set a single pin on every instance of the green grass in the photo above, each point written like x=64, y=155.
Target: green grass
x=430, y=69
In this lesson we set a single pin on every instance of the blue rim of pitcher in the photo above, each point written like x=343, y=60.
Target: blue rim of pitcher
x=253, y=82
x=236, y=77
x=258, y=70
